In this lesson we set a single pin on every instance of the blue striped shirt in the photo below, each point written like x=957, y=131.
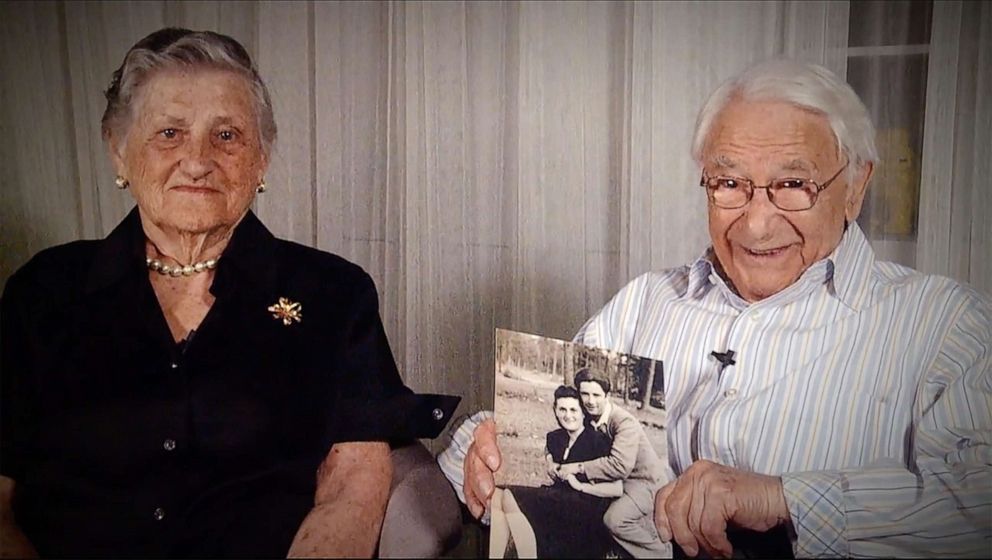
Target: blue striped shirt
x=865, y=385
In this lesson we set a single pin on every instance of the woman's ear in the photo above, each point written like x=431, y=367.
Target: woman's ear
x=263, y=166
x=115, y=149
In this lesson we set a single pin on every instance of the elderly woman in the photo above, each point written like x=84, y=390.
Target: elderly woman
x=190, y=385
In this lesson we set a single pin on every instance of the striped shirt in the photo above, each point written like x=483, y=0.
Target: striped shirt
x=865, y=385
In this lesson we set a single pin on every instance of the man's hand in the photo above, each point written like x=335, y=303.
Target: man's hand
x=568, y=469
x=696, y=508
x=482, y=460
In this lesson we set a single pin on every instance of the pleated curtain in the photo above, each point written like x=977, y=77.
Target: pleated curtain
x=490, y=164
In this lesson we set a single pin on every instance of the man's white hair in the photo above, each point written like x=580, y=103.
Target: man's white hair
x=803, y=84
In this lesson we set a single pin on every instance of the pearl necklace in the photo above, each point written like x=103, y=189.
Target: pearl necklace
x=178, y=270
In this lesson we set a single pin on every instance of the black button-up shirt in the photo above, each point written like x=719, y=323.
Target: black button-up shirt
x=123, y=442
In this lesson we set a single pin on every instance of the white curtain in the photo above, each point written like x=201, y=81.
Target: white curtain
x=491, y=164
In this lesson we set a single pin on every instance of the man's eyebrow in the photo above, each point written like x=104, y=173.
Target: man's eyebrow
x=723, y=162
x=800, y=165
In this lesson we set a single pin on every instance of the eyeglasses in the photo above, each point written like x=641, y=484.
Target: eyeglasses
x=791, y=194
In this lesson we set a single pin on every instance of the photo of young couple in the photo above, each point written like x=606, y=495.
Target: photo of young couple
x=578, y=482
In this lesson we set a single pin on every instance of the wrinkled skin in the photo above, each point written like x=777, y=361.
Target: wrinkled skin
x=762, y=249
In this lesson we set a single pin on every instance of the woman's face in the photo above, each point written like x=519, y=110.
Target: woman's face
x=568, y=411
x=193, y=152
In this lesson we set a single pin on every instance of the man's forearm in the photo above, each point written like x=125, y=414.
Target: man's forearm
x=352, y=493
x=619, y=463
x=888, y=511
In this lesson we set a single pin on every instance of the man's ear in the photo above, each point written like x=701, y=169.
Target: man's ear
x=856, y=191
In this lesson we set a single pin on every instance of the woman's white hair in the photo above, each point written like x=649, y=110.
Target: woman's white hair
x=808, y=86
x=172, y=48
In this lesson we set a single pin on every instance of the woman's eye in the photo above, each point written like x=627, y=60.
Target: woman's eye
x=226, y=135
x=169, y=133
x=727, y=183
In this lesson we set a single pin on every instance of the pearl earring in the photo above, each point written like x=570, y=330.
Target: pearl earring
x=260, y=188
x=121, y=182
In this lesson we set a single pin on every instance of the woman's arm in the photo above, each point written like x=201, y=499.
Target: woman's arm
x=13, y=542
x=552, y=467
x=611, y=489
x=350, y=502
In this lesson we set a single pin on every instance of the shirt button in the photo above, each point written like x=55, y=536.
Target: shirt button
x=730, y=393
x=756, y=316
x=437, y=413
x=169, y=444
x=159, y=514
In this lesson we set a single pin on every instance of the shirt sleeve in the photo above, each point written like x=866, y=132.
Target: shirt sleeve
x=613, y=326
x=375, y=404
x=939, y=506
x=619, y=463
x=452, y=459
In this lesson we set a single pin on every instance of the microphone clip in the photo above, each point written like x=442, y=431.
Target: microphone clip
x=725, y=358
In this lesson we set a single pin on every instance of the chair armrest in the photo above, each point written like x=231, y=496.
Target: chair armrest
x=423, y=518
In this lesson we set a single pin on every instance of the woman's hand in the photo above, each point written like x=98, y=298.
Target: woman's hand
x=482, y=460
x=553, y=472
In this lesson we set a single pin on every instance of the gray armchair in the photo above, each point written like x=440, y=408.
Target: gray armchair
x=423, y=516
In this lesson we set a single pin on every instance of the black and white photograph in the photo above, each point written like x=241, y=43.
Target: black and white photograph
x=582, y=433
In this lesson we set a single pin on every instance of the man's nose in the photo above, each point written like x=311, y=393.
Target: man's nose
x=759, y=214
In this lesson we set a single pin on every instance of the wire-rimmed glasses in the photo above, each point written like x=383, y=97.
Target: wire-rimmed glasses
x=791, y=194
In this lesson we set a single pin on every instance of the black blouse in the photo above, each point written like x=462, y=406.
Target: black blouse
x=591, y=444
x=124, y=443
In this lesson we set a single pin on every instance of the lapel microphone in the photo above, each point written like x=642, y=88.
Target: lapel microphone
x=725, y=358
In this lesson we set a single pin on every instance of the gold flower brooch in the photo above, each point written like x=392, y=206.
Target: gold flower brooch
x=287, y=310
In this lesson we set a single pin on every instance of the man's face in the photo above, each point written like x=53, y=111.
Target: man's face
x=593, y=398
x=761, y=248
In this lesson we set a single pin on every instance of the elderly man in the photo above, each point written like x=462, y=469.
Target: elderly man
x=843, y=402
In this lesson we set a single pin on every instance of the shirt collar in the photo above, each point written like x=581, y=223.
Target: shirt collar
x=702, y=274
x=603, y=418
x=249, y=259
x=120, y=253
x=847, y=271
x=249, y=256
x=851, y=266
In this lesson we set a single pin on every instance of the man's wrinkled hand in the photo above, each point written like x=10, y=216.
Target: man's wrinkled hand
x=696, y=508
x=482, y=460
